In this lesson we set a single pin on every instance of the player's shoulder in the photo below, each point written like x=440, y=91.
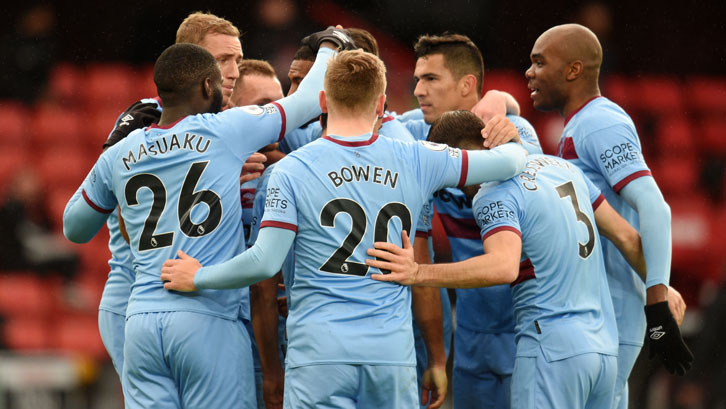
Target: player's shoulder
x=395, y=129
x=601, y=113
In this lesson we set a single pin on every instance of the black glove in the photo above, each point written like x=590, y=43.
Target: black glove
x=138, y=115
x=664, y=339
x=339, y=37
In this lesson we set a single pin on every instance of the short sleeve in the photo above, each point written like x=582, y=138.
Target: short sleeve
x=249, y=128
x=280, y=207
x=440, y=166
x=96, y=188
x=615, y=152
x=418, y=128
x=496, y=208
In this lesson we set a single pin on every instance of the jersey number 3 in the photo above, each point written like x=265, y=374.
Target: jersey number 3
x=188, y=198
x=338, y=262
x=568, y=189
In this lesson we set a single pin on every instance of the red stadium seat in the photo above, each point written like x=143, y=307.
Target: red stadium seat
x=706, y=95
x=674, y=136
x=677, y=175
x=54, y=126
x=11, y=160
x=24, y=294
x=66, y=83
x=657, y=95
x=14, y=123
x=108, y=86
x=144, y=86
x=698, y=241
x=712, y=136
x=64, y=168
x=21, y=333
x=618, y=89
x=97, y=128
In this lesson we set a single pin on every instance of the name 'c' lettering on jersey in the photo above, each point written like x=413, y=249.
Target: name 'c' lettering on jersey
x=354, y=173
x=167, y=144
x=528, y=177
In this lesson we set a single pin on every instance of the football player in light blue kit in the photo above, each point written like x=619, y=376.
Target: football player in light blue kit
x=449, y=73
x=334, y=197
x=600, y=138
x=175, y=343
x=221, y=38
x=565, y=326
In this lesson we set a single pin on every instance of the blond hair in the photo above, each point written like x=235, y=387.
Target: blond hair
x=198, y=24
x=354, y=79
x=256, y=67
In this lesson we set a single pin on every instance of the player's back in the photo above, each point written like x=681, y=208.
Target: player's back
x=561, y=299
x=350, y=192
x=178, y=188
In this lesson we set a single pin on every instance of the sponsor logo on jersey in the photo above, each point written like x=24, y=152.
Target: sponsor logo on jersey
x=494, y=212
x=274, y=202
x=620, y=155
x=270, y=109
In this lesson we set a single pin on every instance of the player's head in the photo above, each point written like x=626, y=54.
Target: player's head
x=459, y=129
x=300, y=66
x=355, y=85
x=219, y=37
x=449, y=72
x=187, y=75
x=566, y=62
x=363, y=40
x=257, y=84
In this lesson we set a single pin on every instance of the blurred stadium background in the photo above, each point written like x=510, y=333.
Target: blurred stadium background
x=70, y=67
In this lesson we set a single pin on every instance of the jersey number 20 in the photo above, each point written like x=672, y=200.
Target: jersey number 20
x=338, y=262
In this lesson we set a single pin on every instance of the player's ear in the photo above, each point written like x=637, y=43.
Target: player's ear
x=467, y=85
x=380, y=105
x=207, y=90
x=323, y=102
x=574, y=70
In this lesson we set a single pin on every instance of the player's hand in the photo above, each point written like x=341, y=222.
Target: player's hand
x=498, y=131
x=179, y=274
x=273, y=391
x=664, y=339
x=253, y=167
x=492, y=104
x=399, y=261
x=434, y=384
x=138, y=115
x=335, y=35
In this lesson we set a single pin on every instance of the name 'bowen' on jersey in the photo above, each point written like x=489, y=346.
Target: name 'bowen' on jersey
x=166, y=144
x=353, y=173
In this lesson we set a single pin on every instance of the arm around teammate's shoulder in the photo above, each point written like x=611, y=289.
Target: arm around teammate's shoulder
x=500, y=163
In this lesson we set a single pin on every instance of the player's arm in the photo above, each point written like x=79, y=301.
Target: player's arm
x=643, y=195
x=139, y=115
x=500, y=163
x=261, y=261
x=499, y=264
x=665, y=340
x=616, y=229
x=426, y=304
x=82, y=219
x=263, y=308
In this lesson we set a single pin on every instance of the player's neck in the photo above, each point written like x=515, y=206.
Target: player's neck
x=578, y=99
x=350, y=125
x=171, y=115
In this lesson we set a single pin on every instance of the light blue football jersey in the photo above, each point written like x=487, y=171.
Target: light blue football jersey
x=117, y=290
x=178, y=188
x=601, y=140
x=340, y=195
x=561, y=300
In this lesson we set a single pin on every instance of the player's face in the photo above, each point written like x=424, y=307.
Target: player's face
x=256, y=90
x=227, y=50
x=546, y=76
x=298, y=70
x=436, y=89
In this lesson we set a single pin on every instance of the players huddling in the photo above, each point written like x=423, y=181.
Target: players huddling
x=563, y=262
